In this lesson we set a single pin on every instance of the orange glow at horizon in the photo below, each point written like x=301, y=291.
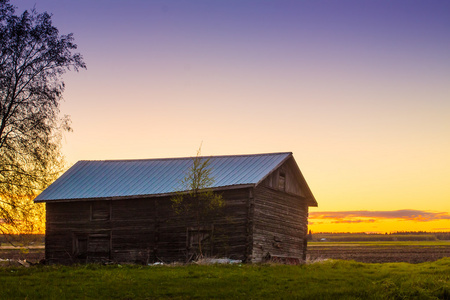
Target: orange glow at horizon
x=379, y=221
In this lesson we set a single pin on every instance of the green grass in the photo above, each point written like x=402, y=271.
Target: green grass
x=326, y=280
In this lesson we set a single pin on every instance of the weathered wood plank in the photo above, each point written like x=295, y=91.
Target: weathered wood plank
x=280, y=224
x=140, y=230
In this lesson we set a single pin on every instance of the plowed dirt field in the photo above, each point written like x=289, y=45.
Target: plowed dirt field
x=379, y=253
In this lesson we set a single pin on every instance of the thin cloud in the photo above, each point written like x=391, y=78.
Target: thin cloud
x=403, y=214
x=354, y=221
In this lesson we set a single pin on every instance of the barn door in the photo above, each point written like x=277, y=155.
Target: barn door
x=80, y=245
x=92, y=246
x=99, y=247
x=199, y=242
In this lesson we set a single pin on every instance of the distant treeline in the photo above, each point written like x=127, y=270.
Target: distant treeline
x=393, y=236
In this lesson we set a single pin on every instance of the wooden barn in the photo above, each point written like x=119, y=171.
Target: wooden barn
x=121, y=211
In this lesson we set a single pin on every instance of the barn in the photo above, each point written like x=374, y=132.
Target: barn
x=121, y=211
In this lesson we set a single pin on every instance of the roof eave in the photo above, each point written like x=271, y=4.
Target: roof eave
x=312, y=202
x=220, y=188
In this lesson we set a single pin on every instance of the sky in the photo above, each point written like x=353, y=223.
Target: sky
x=358, y=90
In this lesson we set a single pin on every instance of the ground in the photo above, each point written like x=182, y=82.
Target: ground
x=382, y=252
x=366, y=248
x=411, y=252
x=9, y=253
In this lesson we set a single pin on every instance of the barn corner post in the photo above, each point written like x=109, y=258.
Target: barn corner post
x=305, y=237
x=249, y=226
x=46, y=242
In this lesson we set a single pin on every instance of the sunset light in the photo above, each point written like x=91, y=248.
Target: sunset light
x=358, y=91
x=378, y=221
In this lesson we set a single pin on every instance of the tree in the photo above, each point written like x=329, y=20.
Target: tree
x=196, y=200
x=33, y=58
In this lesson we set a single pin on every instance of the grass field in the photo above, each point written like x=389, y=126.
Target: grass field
x=427, y=278
x=324, y=280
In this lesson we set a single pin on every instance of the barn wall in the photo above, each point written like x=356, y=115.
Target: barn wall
x=234, y=237
x=133, y=230
x=230, y=229
x=63, y=222
x=140, y=230
x=280, y=225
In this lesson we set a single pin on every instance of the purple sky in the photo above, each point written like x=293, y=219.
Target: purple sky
x=358, y=90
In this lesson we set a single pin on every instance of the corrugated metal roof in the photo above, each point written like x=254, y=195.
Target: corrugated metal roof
x=125, y=178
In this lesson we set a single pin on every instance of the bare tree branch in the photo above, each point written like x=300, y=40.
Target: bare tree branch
x=33, y=56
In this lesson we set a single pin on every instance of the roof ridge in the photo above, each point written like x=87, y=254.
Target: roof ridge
x=186, y=157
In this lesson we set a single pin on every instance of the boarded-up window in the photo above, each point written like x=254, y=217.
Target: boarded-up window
x=101, y=211
x=99, y=245
x=282, y=182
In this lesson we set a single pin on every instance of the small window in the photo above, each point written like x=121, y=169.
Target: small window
x=100, y=211
x=282, y=182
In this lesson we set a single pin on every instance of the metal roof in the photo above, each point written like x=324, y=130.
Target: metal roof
x=131, y=178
